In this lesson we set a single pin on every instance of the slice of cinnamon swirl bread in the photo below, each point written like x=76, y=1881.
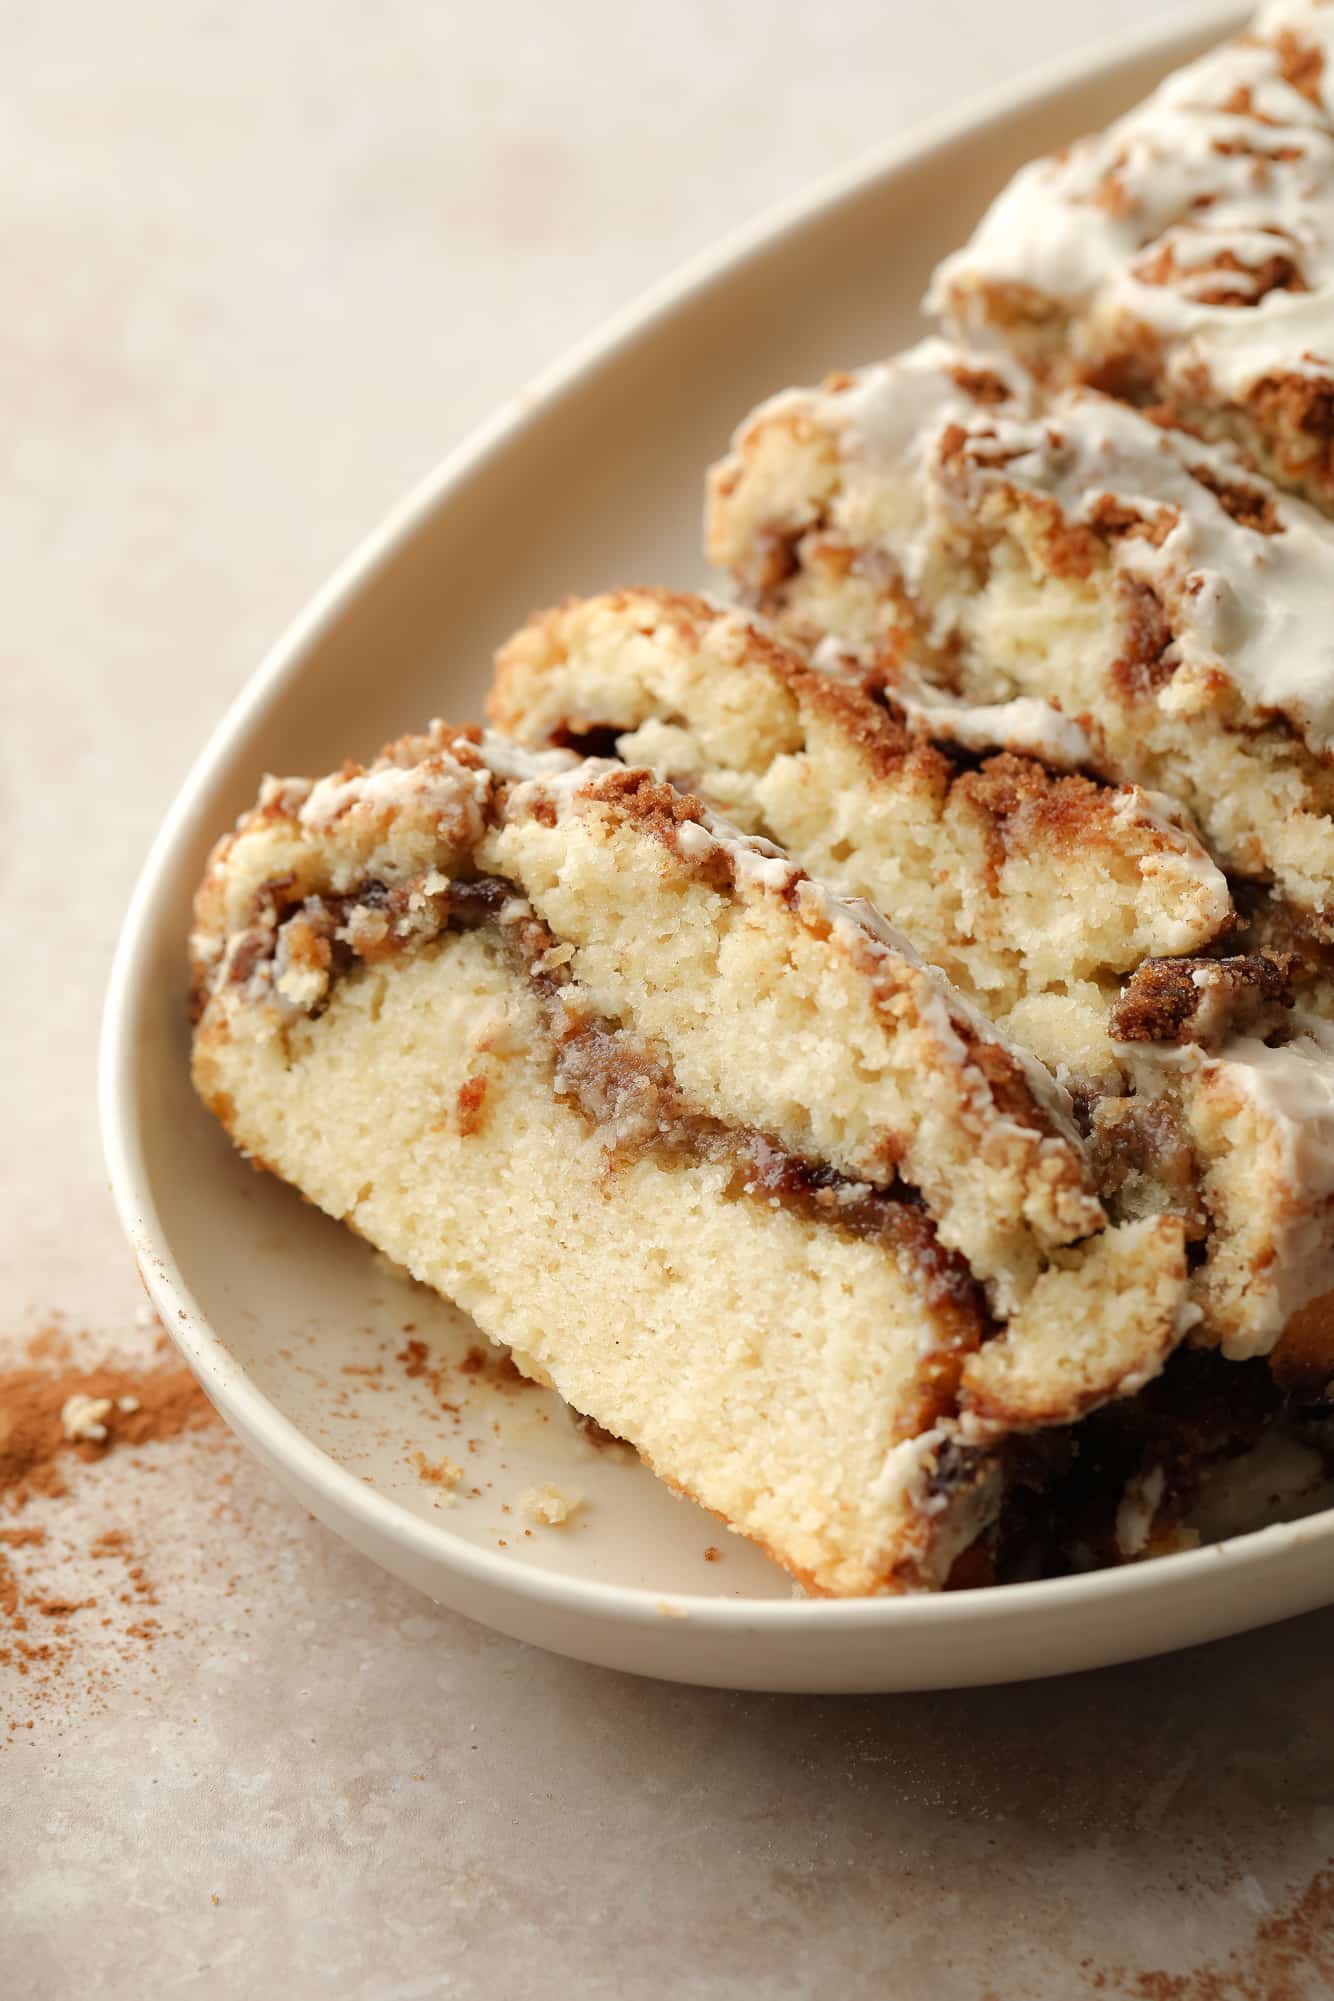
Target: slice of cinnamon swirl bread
x=1169, y=601
x=707, y=1145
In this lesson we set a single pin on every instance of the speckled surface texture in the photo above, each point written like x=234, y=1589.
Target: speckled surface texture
x=263, y=265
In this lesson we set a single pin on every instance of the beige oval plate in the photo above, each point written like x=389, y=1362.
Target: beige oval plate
x=358, y=1388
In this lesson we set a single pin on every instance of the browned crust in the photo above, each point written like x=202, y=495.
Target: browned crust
x=954, y=1297
x=910, y=1571
x=600, y=1071
x=634, y=797
x=639, y=799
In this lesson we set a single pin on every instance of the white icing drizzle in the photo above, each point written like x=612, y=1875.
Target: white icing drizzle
x=510, y=760
x=892, y=408
x=1251, y=606
x=439, y=784
x=1027, y=725
x=1032, y=727
x=1163, y=191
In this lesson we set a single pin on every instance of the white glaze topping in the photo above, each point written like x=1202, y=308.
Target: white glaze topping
x=892, y=407
x=455, y=776
x=1232, y=156
x=906, y=1473
x=1027, y=725
x=1251, y=605
x=439, y=784
x=510, y=760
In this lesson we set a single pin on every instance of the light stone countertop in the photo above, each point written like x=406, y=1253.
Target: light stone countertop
x=263, y=265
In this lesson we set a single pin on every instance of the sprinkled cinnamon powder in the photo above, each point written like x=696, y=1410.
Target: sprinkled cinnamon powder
x=46, y=1627
x=1288, y=1953
x=34, y=1445
x=440, y=1372
x=9, y=1590
x=497, y=1368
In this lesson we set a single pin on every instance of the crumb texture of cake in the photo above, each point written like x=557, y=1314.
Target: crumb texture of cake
x=1036, y=911
x=1184, y=257
x=706, y=1143
x=1165, y=598
x=1017, y=880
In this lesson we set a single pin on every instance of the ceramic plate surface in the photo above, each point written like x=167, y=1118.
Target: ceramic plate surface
x=355, y=1385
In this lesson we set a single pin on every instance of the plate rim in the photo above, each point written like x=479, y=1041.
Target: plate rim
x=259, y=1421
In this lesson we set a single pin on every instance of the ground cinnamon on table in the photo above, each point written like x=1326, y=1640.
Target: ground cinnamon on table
x=40, y=1622
x=9, y=1590
x=34, y=1449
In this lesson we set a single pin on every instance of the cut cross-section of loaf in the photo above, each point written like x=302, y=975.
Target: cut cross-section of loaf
x=1040, y=893
x=1171, y=603
x=1185, y=256
x=707, y=1145
x=1036, y=890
